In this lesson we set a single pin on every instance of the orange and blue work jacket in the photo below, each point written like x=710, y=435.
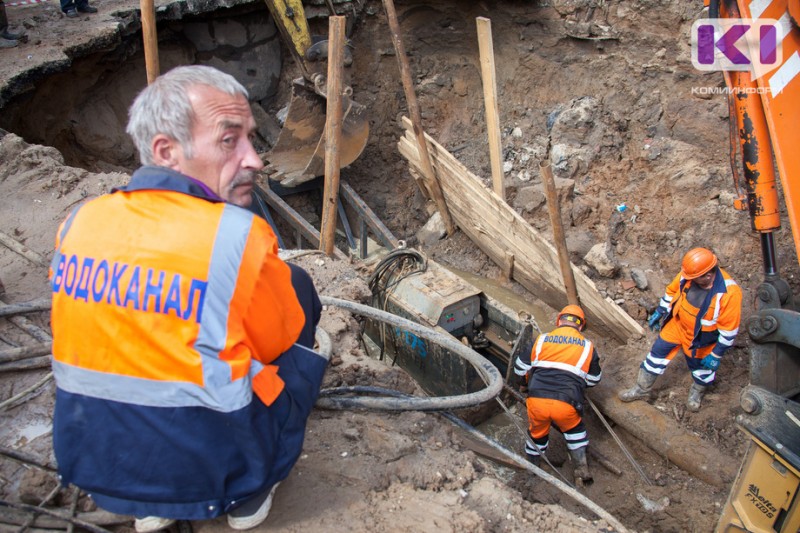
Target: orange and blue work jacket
x=560, y=366
x=709, y=327
x=169, y=309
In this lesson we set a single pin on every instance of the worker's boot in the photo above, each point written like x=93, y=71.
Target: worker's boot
x=642, y=389
x=696, y=393
x=535, y=460
x=7, y=39
x=581, y=467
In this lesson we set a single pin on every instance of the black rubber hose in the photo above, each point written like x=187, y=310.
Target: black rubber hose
x=490, y=375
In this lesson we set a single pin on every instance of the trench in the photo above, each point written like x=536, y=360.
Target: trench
x=82, y=113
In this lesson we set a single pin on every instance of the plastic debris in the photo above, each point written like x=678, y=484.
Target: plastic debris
x=653, y=506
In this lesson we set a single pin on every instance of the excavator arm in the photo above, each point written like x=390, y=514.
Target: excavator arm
x=299, y=153
x=764, y=113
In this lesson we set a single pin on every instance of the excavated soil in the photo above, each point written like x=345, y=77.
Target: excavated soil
x=605, y=88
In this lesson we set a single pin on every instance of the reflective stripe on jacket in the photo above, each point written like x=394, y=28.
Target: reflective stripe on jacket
x=560, y=366
x=713, y=325
x=169, y=312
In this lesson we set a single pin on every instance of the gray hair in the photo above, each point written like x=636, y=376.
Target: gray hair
x=164, y=107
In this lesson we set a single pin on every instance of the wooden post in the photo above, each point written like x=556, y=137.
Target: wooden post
x=333, y=133
x=558, y=232
x=416, y=118
x=150, y=39
x=489, y=78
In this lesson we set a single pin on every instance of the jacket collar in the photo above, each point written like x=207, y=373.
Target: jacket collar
x=166, y=179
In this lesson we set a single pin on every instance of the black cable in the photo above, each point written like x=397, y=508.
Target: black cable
x=390, y=271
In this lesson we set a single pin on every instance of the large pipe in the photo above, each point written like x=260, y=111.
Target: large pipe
x=660, y=433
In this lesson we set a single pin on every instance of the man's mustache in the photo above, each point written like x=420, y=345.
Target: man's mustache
x=243, y=178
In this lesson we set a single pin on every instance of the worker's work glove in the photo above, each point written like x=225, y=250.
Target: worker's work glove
x=711, y=362
x=654, y=321
x=519, y=382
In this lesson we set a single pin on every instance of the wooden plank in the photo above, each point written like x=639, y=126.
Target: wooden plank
x=489, y=77
x=431, y=180
x=25, y=352
x=333, y=134
x=16, y=246
x=33, y=306
x=615, y=321
x=536, y=274
x=558, y=232
x=500, y=230
x=369, y=217
x=150, y=38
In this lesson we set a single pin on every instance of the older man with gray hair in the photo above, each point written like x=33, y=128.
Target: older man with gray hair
x=181, y=342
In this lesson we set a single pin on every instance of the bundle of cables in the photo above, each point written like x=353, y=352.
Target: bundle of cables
x=390, y=271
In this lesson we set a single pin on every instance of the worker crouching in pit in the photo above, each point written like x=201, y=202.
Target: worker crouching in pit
x=561, y=364
x=181, y=341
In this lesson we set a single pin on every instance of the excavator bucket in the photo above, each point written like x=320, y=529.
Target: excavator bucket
x=299, y=154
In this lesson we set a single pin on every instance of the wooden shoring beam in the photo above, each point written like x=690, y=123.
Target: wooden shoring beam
x=374, y=223
x=500, y=230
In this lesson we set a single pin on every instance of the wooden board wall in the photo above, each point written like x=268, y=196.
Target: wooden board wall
x=501, y=232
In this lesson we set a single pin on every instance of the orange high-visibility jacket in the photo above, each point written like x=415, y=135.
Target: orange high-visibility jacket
x=560, y=366
x=168, y=311
x=713, y=325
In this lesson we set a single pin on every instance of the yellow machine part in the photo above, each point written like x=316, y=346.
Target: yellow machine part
x=299, y=153
x=290, y=18
x=764, y=497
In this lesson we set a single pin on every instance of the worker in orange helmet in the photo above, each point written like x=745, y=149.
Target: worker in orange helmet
x=699, y=314
x=559, y=367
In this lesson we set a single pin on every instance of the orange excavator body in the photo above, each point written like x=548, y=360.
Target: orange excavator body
x=764, y=115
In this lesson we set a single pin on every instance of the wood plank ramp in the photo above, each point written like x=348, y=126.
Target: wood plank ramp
x=499, y=231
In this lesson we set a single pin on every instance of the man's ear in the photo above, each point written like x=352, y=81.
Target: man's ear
x=167, y=151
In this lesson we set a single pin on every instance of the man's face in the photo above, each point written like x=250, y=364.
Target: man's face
x=223, y=155
x=706, y=280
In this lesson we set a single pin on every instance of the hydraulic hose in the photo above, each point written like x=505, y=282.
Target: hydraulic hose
x=513, y=457
x=490, y=375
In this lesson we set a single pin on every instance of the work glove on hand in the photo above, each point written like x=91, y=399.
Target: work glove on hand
x=711, y=362
x=519, y=382
x=654, y=320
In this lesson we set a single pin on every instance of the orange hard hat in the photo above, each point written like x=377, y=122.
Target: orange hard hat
x=574, y=314
x=697, y=262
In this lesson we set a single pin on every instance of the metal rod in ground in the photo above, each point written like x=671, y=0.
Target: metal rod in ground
x=558, y=232
x=522, y=463
x=622, y=446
